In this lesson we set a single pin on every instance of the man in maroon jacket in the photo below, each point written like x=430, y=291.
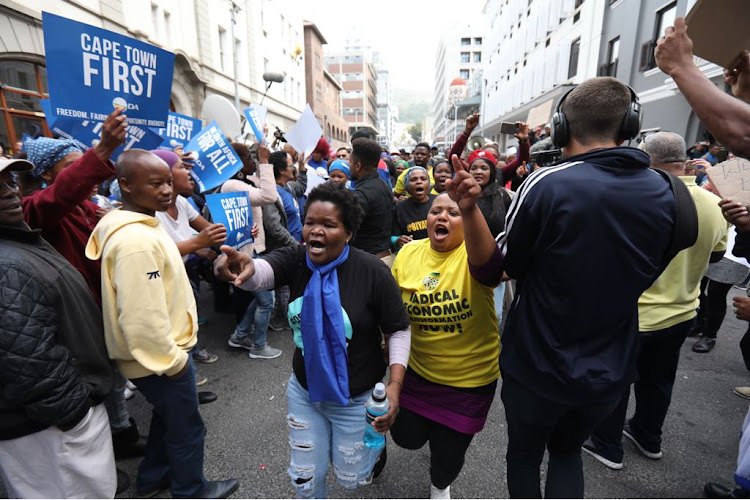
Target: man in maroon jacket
x=66, y=218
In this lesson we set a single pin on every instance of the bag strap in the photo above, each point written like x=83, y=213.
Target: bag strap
x=686, y=215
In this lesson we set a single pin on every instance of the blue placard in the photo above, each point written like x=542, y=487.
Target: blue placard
x=92, y=71
x=251, y=115
x=232, y=210
x=179, y=130
x=88, y=133
x=216, y=162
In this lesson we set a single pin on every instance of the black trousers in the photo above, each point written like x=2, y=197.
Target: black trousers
x=713, y=306
x=658, y=358
x=447, y=446
x=535, y=423
x=745, y=348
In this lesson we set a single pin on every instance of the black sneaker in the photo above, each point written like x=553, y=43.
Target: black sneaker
x=589, y=448
x=652, y=454
x=704, y=345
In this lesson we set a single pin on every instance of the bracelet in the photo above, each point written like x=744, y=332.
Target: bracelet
x=399, y=383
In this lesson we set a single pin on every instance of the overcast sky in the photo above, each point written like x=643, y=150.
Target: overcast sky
x=406, y=32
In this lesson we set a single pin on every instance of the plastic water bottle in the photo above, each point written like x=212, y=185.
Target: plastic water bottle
x=376, y=406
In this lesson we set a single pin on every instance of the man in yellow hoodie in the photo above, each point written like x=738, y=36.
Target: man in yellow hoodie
x=150, y=324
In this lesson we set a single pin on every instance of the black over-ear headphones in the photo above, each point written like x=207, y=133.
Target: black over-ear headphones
x=631, y=122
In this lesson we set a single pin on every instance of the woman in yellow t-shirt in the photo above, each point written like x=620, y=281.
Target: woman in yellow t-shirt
x=453, y=365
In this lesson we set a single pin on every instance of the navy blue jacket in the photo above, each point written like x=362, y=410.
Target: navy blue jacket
x=584, y=239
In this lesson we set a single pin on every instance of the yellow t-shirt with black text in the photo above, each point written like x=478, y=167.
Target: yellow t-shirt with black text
x=454, y=338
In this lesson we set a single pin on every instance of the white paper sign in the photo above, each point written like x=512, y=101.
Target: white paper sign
x=313, y=180
x=305, y=134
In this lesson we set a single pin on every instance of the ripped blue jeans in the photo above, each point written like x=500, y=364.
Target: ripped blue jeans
x=322, y=432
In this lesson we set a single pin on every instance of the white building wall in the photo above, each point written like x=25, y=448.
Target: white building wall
x=448, y=65
x=190, y=28
x=528, y=49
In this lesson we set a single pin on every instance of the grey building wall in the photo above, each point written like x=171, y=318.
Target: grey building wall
x=635, y=22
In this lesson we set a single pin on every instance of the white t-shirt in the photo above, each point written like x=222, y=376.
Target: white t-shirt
x=179, y=230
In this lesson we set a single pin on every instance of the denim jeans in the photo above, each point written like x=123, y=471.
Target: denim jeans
x=174, y=450
x=257, y=314
x=499, y=294
x=323, y=431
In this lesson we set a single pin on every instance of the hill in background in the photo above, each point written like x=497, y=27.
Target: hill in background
x=413, y=105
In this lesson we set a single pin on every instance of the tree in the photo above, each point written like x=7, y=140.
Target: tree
x=415, y=131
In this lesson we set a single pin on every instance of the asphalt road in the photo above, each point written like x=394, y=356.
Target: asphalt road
x=247, y=435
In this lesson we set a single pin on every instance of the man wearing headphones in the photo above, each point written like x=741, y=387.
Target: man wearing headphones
x=570, y=344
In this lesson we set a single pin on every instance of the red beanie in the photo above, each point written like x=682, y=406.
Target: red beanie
x=485, y=155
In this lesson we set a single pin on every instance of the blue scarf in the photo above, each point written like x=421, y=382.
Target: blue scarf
x=323, y=334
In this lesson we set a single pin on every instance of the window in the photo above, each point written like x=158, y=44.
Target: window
x=664, y=18
x=155, y=20
x=23, y=83
x=352, y=59
x=613, y=54
x=464, y=74
x=465, y=57
x=575, y=48
x=477, y=57
x=466, y=41
x=478, y=40
x=222, y=46
x=168, y=27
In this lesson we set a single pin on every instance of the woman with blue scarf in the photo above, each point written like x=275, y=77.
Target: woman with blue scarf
x=342, y=300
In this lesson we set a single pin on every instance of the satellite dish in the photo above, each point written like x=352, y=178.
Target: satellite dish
x=219, y=109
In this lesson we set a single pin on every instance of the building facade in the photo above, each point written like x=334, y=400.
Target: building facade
x=552, y=45
x=630, y=31
x=323, y=90
x=384, y=101
x=353, y=67
x=536, y=51
x=199, y=32
x=460, y=54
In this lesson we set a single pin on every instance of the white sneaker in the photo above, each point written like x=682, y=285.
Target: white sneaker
x=130, y=385
x=438, y=493
x=127, y=393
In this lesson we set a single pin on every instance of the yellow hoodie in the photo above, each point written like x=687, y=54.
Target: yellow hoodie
x=150, y=318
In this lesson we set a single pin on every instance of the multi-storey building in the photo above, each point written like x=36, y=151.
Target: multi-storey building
x=199, y=32
x=626, y=52
x=323, y=90
x=460, y=54
x=536, y=50
x=354, y=68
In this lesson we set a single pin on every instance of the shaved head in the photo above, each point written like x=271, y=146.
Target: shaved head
x=132, y=162
x=145, y=181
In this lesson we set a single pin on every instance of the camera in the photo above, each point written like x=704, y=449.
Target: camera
x=279, y=134
x=545, y=158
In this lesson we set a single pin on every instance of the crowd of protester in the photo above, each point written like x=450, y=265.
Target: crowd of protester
x=437, y=272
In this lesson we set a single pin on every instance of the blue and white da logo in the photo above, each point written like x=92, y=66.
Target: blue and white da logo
x=119, y=103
